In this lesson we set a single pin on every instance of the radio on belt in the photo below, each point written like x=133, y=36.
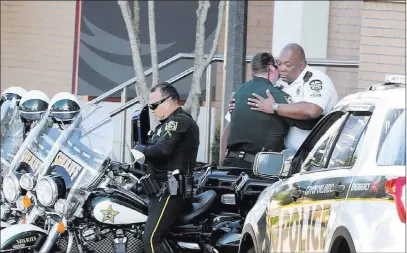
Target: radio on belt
x=172, y=183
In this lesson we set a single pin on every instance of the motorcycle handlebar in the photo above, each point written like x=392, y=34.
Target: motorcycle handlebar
x=128, y=168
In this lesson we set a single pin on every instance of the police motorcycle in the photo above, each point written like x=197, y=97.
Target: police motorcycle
x=17, y=122
x=19, y=182
x=12, y=133
x=249, y=186
x=90, y=212
x=11, y=126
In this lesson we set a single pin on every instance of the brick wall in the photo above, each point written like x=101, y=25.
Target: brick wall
x=259, y=38
x=343, y=43
x=37, y=39
x=383, y=42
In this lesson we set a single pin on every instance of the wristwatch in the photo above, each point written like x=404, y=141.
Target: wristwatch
x=275, y=107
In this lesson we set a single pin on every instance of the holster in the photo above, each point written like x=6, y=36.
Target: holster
x=150, y=186
x=181, y=185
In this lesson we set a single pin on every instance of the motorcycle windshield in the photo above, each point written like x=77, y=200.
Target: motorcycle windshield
x=81, y=153
x=36, y=147
x=12, y=134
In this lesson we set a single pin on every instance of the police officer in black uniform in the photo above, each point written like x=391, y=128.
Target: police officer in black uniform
x=251, y=132
x=173, y=146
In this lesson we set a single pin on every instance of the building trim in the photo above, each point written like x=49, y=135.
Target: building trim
x=78, y=11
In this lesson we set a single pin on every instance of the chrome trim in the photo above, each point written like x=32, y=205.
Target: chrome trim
x=51, y=239
x=32, y=180
x=34, y=214
x=54, y=188
x=16, y=182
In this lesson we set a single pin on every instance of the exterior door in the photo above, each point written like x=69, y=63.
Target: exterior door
x=285, y=213
x=329, y=180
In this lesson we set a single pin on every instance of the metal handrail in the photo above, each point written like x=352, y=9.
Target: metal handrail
x=216, y=58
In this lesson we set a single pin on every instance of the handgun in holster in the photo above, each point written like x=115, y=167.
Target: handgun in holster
x=188, y=191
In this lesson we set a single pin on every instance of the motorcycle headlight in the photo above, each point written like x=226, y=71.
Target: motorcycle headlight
x=61, y=207
x=47, y=191
x=27, y=181
x=11, y=188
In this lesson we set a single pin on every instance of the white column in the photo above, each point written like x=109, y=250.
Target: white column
x=302, y=22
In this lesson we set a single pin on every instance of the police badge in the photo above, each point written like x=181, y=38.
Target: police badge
x=316, y=86
x=171, y=126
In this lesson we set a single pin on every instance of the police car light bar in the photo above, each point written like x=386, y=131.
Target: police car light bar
x=400, y=79
x=390, y=82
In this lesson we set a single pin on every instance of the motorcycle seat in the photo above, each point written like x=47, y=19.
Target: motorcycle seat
x=199, y=206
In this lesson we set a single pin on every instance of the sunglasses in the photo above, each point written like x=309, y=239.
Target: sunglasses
x=154, y=106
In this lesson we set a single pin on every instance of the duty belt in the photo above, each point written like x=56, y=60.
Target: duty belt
x=241, y=155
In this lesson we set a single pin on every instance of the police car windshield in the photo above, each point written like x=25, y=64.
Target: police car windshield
x=12, y=130
x=392, y=146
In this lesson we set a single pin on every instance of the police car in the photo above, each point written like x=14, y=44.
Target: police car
x=344, y=190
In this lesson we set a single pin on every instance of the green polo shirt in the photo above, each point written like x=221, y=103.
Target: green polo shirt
x=251, y=131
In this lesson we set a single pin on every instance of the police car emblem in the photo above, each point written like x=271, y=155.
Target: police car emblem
x=171, y=126
x=289, y=99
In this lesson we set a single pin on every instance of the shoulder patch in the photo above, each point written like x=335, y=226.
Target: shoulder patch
x=316, y=85
x=171, y=126
x=289, y=99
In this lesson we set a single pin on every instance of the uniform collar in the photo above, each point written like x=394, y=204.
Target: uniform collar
x=263, y=79
x=301, y=76
x=178, y=110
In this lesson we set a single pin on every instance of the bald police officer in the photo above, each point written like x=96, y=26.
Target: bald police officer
x=251, y=132
x=313, y=93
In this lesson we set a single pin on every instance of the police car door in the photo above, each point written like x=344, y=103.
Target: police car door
x=328, y=172
x=285, y=214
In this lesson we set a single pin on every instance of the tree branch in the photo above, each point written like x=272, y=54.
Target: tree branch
x=192, y=104
x=221, y=11
x=153, y=41
x=133, y=30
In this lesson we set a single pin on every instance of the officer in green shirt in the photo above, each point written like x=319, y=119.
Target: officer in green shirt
x=249, y=131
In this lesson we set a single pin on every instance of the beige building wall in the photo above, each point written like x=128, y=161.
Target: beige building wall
x=343, y=43
x=259, y=38
x=37, y=42
x=383, y=42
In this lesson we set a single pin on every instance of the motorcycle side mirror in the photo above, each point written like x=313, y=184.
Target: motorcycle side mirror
x=268, y=164
x=138, y=156
x=288, y=154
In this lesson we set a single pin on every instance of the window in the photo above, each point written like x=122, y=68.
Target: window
x=392, y=145
x=348, y=140
x=358, y=148
x=320, y=143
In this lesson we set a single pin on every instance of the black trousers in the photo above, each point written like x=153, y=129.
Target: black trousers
x=234, y=162
x=162, y=215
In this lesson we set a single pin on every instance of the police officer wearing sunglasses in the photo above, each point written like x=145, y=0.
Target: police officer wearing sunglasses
x=172, y=146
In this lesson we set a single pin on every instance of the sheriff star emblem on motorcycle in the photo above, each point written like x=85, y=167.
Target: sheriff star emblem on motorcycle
x=109, y=214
